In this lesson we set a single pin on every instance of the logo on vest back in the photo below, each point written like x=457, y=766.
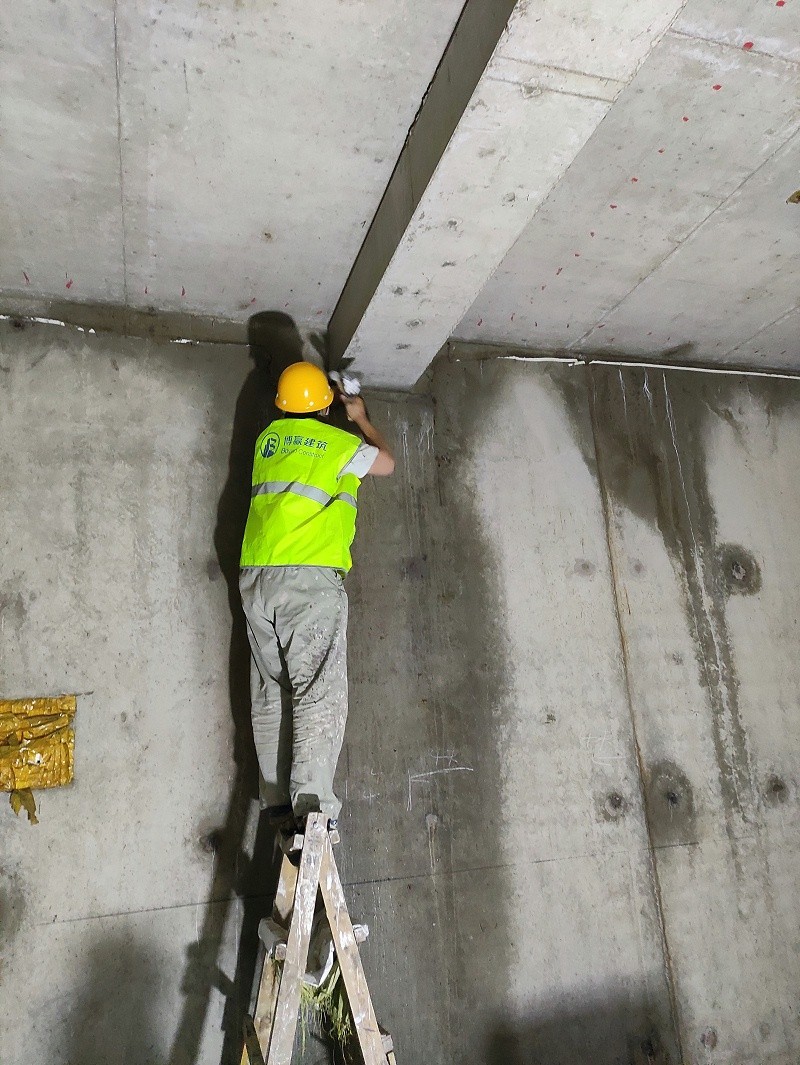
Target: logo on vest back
x=270, y=445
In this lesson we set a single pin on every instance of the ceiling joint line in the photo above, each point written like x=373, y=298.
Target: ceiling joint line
x=761, y=328
x=121, y=168
x=727, y=45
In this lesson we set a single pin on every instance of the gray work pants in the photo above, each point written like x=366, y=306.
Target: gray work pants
x=297, y=626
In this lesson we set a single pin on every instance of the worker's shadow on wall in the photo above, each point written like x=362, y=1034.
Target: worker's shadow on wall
x=274, y=343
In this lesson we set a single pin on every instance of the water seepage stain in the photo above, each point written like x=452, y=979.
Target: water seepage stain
x=12, y=909
x=776, y=791
x=738, y=570
x=584, y=568
x=670, y=805
x=612, y=806
x=13, y=607
x=651, y=430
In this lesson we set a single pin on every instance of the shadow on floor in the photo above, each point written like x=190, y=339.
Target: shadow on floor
x=588, y=1032
x=112, y=1020
x=274, y=343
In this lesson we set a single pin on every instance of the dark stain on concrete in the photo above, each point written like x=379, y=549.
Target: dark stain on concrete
x=444, y=648
x=414, y=569
x=584, y=568
x=12, y=607
x=776, y=791
x=670, y=805
x=210, y=840
x=652, y=431
x=213, y=569
x=570, y=383
x=12, y=908
x=709, y=1038
x=611, y=806
x=738, y=570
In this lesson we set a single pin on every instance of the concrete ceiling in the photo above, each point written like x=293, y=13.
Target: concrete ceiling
x=603, y=178
x=670, y=233
x=209, y=158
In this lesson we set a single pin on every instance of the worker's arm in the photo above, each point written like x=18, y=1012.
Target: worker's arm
x=357, y=412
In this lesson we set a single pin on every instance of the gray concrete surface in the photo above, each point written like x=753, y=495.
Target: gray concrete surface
x=572, y=762
x=202, y=158
x=670, y=234
x=551, y=80
x=167, y=170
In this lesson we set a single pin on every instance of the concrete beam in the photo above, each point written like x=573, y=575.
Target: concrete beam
x=445, y=222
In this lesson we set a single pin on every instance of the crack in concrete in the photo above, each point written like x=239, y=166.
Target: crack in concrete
x=655, y=881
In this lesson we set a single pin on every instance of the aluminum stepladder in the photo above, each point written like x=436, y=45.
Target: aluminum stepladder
x=269, y=1032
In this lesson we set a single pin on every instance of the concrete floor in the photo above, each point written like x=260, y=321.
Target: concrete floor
x=573, y=756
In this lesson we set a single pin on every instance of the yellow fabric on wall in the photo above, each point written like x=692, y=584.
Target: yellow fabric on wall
x=37, y=746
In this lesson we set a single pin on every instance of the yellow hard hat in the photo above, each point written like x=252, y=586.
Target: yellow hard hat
x=303, y=388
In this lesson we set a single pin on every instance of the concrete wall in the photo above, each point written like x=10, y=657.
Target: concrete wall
x=572, y=760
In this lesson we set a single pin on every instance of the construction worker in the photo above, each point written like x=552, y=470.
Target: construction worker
x=295, y=555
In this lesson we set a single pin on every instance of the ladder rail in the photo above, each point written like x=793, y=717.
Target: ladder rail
x=287, y=1005
x=344, y=942
x=269, y=1034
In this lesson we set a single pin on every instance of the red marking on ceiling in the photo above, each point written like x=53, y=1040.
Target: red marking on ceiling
x=634, y=179
x=27, y=279
x=480, y=321
x=716, y=88
x=780, y=3
x=685, y=118
x=183, y=291
x=747, y=45
x=558, y=271
x=661, y=151
x=69, y=283
x=613, y=206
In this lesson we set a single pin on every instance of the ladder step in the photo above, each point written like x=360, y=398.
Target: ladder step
x=278, y=947
x=293, y=842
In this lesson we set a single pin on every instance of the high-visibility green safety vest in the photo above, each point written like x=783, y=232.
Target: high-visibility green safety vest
x=302, y=513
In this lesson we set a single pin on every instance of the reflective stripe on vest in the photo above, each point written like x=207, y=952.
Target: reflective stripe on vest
x=300, y=489
x=302, y=510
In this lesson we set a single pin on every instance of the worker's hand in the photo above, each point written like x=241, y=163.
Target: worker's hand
x=354, y=408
